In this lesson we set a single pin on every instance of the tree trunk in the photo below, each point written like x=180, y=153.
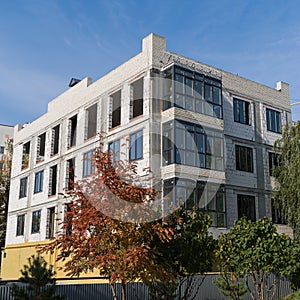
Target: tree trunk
x=113, y=290
x=123, y=290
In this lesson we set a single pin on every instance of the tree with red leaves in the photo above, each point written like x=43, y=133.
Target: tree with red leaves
x=110, y=226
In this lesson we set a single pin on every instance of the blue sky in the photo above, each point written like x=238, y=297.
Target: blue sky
x=45, y=43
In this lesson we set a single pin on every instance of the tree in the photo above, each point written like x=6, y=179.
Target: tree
x=5, y=172
x=110, y=225
x=39, y=282
x=254, y=251
x=287, y=192
x=189, y=253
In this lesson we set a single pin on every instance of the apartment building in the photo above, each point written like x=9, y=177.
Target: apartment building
x=206, y=134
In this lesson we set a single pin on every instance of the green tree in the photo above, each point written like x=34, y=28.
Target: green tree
x=5, y=172
x=189, y=253
x=254, y=251
x=287, y=191
x=39, y=282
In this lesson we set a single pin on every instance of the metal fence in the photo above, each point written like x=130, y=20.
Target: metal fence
x=139, y=291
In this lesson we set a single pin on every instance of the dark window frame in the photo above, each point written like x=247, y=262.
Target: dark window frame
x=20, y=225
x=72, y=131
x=38, y=181
x=274, y=161
x=205, y=196
x=91, y=119
x=116, y=109
x=52, y=181
x=241, y=111
x=137, y=99
x=50, y=228
x=244, y=158
x=194, y=145
x=41, y=147
x=55, y=140
x=273, y=118
x=36, y=221
x=70, y=173
x=25, y=155
x=88, y=163
x=192, y=91
x=114, y=148
x=23, y=187
x=136, y=146
x=246, y=207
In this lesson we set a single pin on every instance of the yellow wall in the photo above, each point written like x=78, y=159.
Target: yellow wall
x=14, y=257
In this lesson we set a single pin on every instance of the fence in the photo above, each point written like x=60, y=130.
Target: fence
x=138, y=291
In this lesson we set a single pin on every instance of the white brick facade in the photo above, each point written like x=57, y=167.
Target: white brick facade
x=77, y=99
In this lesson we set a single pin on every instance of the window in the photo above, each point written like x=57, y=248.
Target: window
x=193, y=145
x=67, y=219
x=72, y=131
x=91, y=119
x=246, y=207
x=192, y=91
x=244, y=158
x=50, y=229
x=88, y=163
x=55, y=140
x=273, y=120
x=38, y=182
x=208, y=197
x=25, y=156
x=136, y=146
x=70, y=174
x=1, y=165
x=114, y=149
x=36, y=220
x=241, y=110
x=115, y=110
x=136, y=101
x=20, y=225
x=40, y=147
x=23, y=187
x=1, y=149
x=52, y=181
x=273, y=161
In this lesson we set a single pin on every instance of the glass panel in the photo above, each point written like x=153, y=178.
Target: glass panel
x=235, y=110
x=179, y=136
x=218, y=147
x=180, y=195
x=200, y=142
x=198, y=89
x=220, y=202
x=189, y=86
x=218, y=111
x=208, y=93
x=190, y=142
x=199, y=106
x=180, y=156
x=201, y=160
x=217, y=95
x=179, y=84
x=179, y=101
x=209, y=109
x=190, y=158
x=219, y=164
x=189, y=103
x=209, y=144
